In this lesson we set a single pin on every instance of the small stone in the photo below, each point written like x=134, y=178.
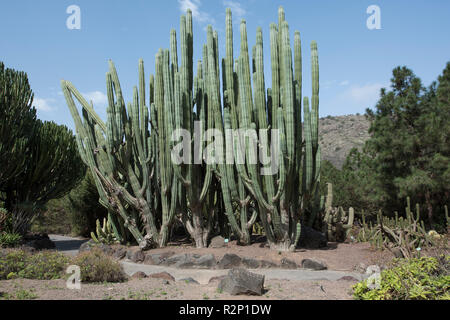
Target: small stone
x=288, y=264
x=136, y=255
x=267, y=264
x=120, y=253
x=162, y=275
x=139, y=275
x=229, y=260
x=217, y=242
x=397, y=253
x=242, y=282
x=348, y=278
x=314, y=264
x=189, y=280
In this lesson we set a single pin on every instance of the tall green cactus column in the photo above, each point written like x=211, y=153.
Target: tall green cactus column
x=194, y=179
x=120, y=156
x=282, y=198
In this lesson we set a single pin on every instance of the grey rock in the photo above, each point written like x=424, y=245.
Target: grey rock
x=189, y=280
x=158, y=258
x=139, y=275
x=267, y=264
x=120, y=253
x=162, y=275
x=217, y=242
x=184, y=260
x=229, y=260
x=242, y=282
x=135, y=255
x=87, y=246
x=314, y=264
x=91, y=244
x=251, y=263
x=207, y=261
x=310, y=238
x=397, y=253
x=288, y=264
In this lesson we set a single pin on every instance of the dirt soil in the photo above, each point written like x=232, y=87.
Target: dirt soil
x=342, y=256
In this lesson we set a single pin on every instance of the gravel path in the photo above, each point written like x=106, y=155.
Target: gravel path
x=67, y=245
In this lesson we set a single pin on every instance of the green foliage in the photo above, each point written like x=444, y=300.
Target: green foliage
x=53, y=167
x=425, y=278
x=95, y=266
x=10, y=240
x=38, y=160
x=45, y=265
x=17, y=123
x=408, y=153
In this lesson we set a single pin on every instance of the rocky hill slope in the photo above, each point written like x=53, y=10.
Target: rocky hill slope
x=339, y=134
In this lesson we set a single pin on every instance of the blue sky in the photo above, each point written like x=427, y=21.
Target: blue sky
x=355, y=62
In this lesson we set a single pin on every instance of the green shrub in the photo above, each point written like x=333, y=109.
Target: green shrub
x=11, y=262
x=9, y=240
x=45, y=265
x=95, y=266
x=423, y=278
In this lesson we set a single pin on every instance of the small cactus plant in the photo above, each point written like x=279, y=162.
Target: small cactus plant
x=105, y=233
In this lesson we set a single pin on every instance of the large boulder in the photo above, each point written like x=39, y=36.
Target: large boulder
x=312, y=239
x=242, y=282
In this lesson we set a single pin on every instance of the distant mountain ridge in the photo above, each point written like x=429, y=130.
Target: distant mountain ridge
x=339, y=134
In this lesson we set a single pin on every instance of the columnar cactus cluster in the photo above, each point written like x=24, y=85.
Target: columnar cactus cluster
x=337, y=223
x=170, y=156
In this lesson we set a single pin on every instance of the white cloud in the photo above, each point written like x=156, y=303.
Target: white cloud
x=197, y=14
x=344, y=83
x=236, y=9
x=98, y=98
x=43, y=104
x=366, y=94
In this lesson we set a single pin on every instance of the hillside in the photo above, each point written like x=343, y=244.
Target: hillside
x=338, y=135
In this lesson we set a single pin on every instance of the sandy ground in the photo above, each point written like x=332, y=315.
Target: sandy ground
x=338, y=257
x=159, y=289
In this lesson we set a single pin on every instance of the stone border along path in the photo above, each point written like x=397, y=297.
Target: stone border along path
x=70, y=246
